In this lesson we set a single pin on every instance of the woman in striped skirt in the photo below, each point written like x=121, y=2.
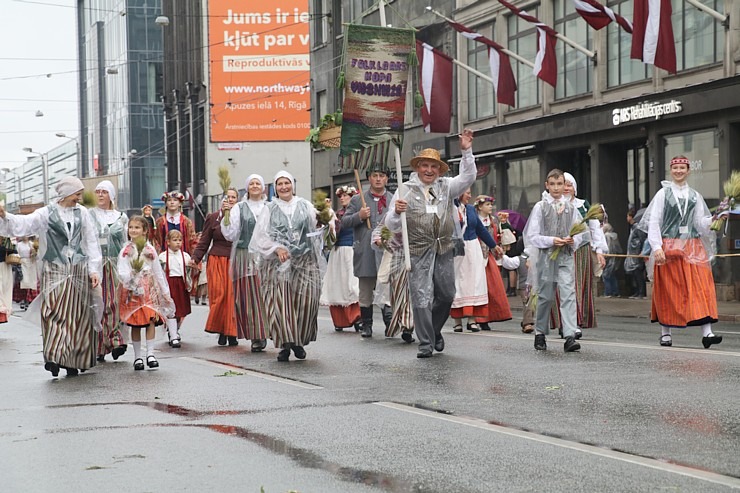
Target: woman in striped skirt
x=221, y=317
x=402, y=320
x=111, y=226
x=678, y=222
x=289, y=269
x=584, y=274
x=238, y=227
x=68, y=246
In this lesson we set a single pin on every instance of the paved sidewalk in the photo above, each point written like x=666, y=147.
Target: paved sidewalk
x=729, y=311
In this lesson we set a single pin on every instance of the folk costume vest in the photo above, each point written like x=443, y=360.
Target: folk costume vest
x=557, y=219
x=430, y=217
x=291, y=232
x=248, y=223
x=678, y=216
x=111, y=237
x=61, y=247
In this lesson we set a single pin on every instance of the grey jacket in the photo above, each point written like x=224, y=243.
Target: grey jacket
x=366, y=259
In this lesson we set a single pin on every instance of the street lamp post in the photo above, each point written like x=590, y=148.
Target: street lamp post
x=44, y=172
x=77, y=150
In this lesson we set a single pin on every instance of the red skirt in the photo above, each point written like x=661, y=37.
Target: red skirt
x=684, y=293
x=344, y=316
x=222, y=314
x=497, y=309
x=180, y=295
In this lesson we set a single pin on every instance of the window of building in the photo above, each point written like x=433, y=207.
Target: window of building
x=637, y=170
x=523, y=42
x=481, y=97
x=699, y=37
x=321, y=22
x=574, y=67
x=702, y=149
x=620, y=68
x=525, y=188
x=320, y=106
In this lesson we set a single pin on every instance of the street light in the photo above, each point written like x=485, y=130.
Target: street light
x=62, y=135
x=44, y=172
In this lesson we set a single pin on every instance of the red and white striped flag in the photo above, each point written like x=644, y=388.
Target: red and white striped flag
x=435, y=75
x=598, y=15
x=501, y=73
x=545, y=64
x=652, y=38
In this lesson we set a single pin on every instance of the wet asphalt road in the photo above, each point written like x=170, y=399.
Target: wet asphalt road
x=489, y=414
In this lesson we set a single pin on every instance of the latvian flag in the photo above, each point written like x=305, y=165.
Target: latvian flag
x=652, y=38
x=598, y=15
x=545, y=64
x=435, y=74
x=501, y=73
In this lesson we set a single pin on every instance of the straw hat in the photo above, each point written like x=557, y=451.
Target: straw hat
x=430, y=155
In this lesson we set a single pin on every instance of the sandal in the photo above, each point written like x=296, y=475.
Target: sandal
x=138, y=364
x=457, y=328
x=473, y=327
x=666, y=340
x=152, y=362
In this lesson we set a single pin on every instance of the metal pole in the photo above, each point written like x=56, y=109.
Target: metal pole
x=381, y=8
x=404, y=226
x=45, y=175
x=717, y=15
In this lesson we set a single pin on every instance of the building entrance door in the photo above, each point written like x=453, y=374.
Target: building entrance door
x=638, y=166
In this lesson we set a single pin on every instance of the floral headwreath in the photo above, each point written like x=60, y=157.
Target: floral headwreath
x=175, y=194
x=482, y=199
x=345, y=189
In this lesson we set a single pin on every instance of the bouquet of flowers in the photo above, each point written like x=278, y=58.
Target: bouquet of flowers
x=732, y=198
x=385, y=238
x=138, y=263
x=596, y=211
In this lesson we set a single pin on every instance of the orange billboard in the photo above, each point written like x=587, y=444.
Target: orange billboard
x=259, y=70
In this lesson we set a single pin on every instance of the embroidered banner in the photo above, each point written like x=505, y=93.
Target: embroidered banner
x=376, y=79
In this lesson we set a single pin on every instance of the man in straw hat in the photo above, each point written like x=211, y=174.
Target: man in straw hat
x=427, y=199
x=371, y=206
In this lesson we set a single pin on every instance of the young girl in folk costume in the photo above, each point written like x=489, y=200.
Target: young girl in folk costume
x=175, y=265
x=71, y=271
x=341, y=289
x=173, y=218
x=471, y=292
x=144, y=295
x=112, y=227
x=221, y=317
x=677, y=223
x=238, y=228
x=28, y=249
x=497, y=308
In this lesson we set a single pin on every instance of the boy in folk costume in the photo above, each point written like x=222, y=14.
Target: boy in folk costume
x=677, y=222
x=547, y=236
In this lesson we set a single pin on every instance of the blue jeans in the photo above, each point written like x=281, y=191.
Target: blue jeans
x=611, y=287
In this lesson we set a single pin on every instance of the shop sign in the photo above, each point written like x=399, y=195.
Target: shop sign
x=644, y=111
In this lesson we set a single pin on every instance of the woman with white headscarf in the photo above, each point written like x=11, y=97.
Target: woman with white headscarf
x=285, y=237
x=238, y=229
x=71, y=272
x=593, y=241
x=112, y=227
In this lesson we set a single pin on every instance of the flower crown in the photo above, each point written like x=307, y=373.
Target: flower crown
x=175, y=195
x=346, y=189
x=482, y=199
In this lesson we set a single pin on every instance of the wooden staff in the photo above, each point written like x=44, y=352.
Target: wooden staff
x=362, y=195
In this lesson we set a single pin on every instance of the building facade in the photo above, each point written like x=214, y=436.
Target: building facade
x=120, y=87
x=613, y=122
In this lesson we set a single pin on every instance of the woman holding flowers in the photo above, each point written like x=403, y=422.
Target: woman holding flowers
x=111, y=226
x=144, y=295
x=341, y=289
x=71, y=271
x=678, y=223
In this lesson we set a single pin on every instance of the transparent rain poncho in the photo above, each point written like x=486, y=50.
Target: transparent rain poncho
x=144, y=292
x=239, y=231
x=677, y=221
x=70, y=253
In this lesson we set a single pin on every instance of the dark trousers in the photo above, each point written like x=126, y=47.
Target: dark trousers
x=432, y=285
x=637, y=280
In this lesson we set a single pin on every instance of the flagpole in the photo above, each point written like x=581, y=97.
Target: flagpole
x=717, y=15
x=399, y=172
x=471, y=69
x=578, y=47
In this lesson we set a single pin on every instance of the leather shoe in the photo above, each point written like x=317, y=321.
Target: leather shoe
x=709, y=340
x=666, y=340
x=578, y=334
x=284, y=355
x=52, y=367
x=439, y=344
x=407, y=337
x=484, y=326
x=571, y=345
x=222, y=340
x=72, y=372
x=424, y=354
x=367, y=330
x=233, y=341
x=473, y=327
x=299, y=352
x=138, y=364
x=540, y=343
x=118, y=351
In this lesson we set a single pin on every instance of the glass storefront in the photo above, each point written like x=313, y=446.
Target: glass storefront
x=702, y=149
x=525, y=188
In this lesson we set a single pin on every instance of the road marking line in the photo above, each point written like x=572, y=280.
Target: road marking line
x=253, y=373
x=590, y=342
x=579, y=447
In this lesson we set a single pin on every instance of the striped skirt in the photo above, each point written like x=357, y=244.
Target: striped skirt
x=497, y=309
x=221, y=316
x=584, y=275
x=250, y=313
x=401, y=318
x=684, y=293
x=291, y=300
x=66, y=322
x=111, y=336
